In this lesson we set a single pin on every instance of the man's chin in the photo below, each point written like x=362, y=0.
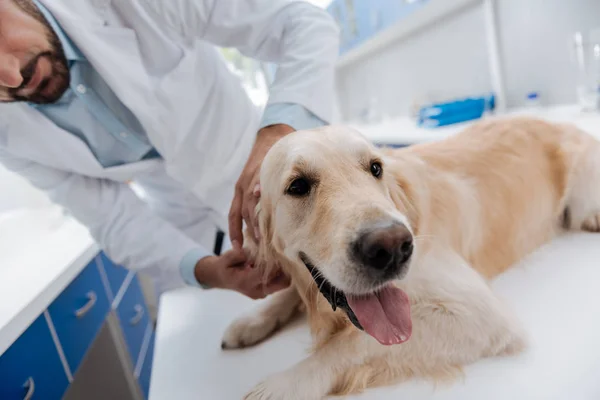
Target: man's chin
x=46, y=95
x=39, y=100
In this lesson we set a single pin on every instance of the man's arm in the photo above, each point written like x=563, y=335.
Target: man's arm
x=302, y=39
x=131, y=234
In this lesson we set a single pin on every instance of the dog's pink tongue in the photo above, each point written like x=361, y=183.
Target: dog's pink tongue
x=384, y=315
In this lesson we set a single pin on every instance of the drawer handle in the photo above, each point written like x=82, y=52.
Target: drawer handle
x=88, y=306
x=30, y=386
x=139, y=313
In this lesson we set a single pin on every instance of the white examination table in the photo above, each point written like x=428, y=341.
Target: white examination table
x=555, y=293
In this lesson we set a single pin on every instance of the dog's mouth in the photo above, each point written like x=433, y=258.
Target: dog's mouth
x=383, y=314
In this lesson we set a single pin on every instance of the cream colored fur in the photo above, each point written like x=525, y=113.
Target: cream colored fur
x=476, y=203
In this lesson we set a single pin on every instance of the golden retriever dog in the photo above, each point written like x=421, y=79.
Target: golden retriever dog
x=390, y=250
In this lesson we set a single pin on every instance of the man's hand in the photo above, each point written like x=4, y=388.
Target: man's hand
x=231, y=270
x=247, y=188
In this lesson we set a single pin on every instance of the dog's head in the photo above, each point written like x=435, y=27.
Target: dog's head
x=331, y=206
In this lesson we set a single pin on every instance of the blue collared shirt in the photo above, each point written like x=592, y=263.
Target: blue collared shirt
x=91, y=111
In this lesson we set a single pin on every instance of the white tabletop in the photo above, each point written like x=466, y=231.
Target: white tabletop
x=554, y=293
x=41, y=252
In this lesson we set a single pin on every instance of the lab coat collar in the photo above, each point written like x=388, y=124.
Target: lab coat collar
x=56, y=142
x=72, y=52
x=83, y=22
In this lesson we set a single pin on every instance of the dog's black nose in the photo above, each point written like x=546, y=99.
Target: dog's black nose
x=386, y=247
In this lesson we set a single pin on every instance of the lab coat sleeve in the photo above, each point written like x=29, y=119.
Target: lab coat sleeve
x=300, y=38
x=120, y=222
x=291, y=114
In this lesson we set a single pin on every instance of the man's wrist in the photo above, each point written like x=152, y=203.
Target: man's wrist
x=275, y=130
x=204, y=273
x=293, y=115
x=269, y=135
x=187, y=265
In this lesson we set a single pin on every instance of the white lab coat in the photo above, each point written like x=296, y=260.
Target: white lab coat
x=158, y=56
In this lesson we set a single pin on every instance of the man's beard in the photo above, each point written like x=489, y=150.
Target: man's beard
x=59, y=76
x=58, y=80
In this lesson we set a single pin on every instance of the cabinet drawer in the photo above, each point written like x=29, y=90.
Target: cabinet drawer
x=133, y=317
x=115, y=273
x=32, y=365
x=146, y=371
x=78, y=314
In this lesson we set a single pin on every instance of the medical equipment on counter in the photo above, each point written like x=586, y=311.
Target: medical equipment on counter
x=532, y=101
x=587, y=57
x=442, y=114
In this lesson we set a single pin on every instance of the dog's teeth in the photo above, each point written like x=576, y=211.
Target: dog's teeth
x=402, y=338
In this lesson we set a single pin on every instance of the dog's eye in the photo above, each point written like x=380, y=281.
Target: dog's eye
x=376, y=169
x=299, y=187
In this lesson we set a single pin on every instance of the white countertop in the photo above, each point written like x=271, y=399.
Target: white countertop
x=41, y=252
x=404, y=130
x=554, y=293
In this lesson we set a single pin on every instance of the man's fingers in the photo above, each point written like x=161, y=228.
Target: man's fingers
x=278, y=283
x=254, y=276
x=256, y=294
x=250, y=282
x=235, y=220
x=235, y=256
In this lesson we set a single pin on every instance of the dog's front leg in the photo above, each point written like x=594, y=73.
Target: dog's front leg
x=316, y=376
x=259, y=325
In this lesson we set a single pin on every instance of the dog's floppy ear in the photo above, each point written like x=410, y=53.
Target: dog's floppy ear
x=269, y=250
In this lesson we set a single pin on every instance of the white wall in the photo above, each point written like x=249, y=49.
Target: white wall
x=449, y=59
x=445, y=60
x=535, y=45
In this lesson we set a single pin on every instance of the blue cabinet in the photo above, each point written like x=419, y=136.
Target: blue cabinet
x=44, y=359
x=115, y=274
x=78, y=314
x=32, y=366
x=133, y=317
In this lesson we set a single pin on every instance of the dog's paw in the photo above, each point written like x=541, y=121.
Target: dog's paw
x=283, y=386
x=592, y=224
x=248, y=331
x=268, y=391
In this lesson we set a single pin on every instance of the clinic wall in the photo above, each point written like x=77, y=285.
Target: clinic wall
x=449, y=59
x=536, y=49
x=444, y=60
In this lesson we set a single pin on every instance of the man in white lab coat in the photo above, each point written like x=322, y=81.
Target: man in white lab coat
x=102, y=93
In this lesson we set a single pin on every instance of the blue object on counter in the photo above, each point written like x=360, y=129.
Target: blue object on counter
x=454, y=118
x=532, y=100
x=454, y=112
x=459, y=106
